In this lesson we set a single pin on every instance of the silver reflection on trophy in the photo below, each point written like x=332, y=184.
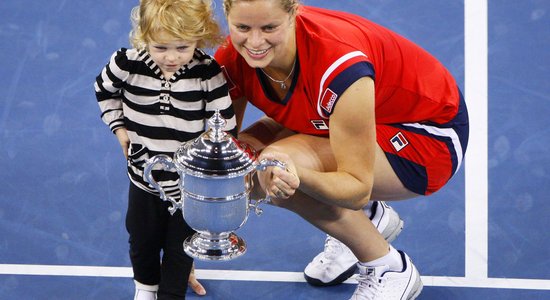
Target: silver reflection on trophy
x=216, y=172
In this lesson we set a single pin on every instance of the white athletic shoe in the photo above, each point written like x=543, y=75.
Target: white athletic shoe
x=379, y=283
x=386, y=220
x=145, y=292
x=337, y=263
x=145, y=295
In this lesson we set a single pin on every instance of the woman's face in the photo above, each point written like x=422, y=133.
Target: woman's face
x=262, y=32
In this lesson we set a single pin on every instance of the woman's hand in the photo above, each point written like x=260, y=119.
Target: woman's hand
x=277, y=182
x=123, y=139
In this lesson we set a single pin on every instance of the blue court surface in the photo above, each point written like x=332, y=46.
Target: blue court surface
x=63, y=187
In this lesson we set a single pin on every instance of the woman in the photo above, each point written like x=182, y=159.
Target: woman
x=357, y=113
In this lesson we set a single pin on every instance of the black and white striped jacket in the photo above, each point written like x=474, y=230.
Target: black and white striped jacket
x=159, y=113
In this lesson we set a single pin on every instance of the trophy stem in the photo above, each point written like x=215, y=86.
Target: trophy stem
x=214, y=246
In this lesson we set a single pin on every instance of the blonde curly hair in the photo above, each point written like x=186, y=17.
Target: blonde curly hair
x=189, y=20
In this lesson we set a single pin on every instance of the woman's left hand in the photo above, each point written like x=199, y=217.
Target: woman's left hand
x=277, y=182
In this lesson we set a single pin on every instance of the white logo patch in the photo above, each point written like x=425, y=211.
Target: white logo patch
x=399, y=141
x=319, y=124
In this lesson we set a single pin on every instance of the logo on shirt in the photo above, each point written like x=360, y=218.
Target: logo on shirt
x=328, y=100
x=399, y=141
x=319, y=124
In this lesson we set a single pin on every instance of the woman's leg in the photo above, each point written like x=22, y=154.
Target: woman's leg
x=351, y=227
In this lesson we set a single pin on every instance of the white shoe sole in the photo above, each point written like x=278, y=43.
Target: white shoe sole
x=338, y=280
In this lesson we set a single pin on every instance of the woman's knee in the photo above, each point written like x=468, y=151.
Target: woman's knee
x=306, y=151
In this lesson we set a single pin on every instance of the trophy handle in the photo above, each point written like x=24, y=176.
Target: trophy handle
x=264, y=164
x=167, y=164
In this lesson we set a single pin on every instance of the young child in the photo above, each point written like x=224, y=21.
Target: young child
x=154, y=97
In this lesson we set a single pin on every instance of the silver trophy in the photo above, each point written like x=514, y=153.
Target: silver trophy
x=216, y=172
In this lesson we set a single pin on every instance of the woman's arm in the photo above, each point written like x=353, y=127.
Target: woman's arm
x=353, y=144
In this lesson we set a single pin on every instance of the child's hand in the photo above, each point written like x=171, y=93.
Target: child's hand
x=123, y=139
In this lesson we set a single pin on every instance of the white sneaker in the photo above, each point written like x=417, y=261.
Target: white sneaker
x=145, y=295
x=386, y=220
x=337, y=263
x=332, y=266
x=145, y=292
x=379, y=283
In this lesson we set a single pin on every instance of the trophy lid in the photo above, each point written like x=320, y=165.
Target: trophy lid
x=215, y=153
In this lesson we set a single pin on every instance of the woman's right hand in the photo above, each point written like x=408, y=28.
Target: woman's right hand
x=277, y=182
x=123, y=139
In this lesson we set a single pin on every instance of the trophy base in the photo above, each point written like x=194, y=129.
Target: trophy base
x=210, y=247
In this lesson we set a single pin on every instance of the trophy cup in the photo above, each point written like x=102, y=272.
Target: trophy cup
x=216, y=172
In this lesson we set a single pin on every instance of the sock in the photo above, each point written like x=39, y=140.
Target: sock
x=392, y=260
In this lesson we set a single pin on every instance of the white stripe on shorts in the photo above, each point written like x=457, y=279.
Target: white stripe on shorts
x=444, y=132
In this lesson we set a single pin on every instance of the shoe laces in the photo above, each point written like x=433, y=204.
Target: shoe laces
x=370, y=285
x=333, y=248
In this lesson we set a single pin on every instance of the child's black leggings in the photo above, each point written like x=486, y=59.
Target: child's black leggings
x=156, y=244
